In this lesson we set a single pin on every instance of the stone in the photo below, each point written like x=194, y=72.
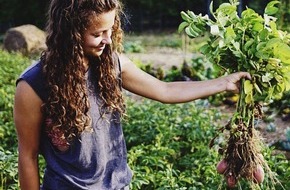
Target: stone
x=27, y=39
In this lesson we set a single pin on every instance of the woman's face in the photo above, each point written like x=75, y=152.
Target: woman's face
x=98, y=34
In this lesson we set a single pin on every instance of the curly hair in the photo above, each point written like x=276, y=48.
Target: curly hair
x=67, y=106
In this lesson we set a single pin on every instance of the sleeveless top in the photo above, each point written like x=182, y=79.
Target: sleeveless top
x=96, y=160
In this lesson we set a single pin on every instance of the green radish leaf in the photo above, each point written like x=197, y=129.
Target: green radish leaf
x=264, y=34
x=282, y=51
x=211, y=8
x=230, y=34
x=287, y=83
x=249, y=99
x=192, y=15
x=248, y=87
x=271, y=9
x=279, y=78
x=185, y=16
x=205, y=49
x=190, y=32
x=182, y=26
x=250, y=43
x=258, y=26
x=257, y=88
x=273, y=27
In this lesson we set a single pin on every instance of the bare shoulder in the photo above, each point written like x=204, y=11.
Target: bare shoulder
x=27, y=105
x=26, y=95
x=125, y=62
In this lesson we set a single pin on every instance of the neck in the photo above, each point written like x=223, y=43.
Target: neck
x=86, y=63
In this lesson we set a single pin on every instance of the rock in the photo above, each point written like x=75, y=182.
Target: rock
x=27, y=39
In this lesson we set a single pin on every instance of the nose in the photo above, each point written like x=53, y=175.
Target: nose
x=107, y=39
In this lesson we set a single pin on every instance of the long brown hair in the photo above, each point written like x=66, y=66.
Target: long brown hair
x=67, y=105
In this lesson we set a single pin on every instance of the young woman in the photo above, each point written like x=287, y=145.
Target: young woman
x=68, y=105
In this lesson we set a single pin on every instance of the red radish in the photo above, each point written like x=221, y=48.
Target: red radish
x=221, y=166
x=231, y=181
x=259, y=174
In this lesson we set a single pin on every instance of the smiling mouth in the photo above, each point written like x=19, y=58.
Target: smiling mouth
x=101, y=47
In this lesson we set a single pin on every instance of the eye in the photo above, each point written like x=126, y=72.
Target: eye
x=96, y=35
x=106, y=32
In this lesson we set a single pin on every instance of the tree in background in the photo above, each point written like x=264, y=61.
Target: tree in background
x=284, y=15
x=142, y=15
x=18, y=12
x=151, y=14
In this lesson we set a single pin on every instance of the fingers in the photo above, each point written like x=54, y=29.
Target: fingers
x=232, y=81
x=245, y=75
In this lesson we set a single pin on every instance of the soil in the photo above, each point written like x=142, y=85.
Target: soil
x=168, y=57
x=162, y=57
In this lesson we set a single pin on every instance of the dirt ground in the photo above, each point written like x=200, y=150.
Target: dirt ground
x=166, y=58
x=162, y=57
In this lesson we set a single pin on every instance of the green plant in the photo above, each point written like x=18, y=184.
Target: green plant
x=171, y=42
x=284, y=15
x=167, y=150
x=8, y=168
x=249, y=43
x=12, y=64
x=133, y=47
x=281, y=106
x=168, y=147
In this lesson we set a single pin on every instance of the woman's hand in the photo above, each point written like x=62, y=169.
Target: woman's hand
x=233, y=81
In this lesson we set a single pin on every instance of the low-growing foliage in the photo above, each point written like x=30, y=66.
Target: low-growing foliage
x=8, y=170
x=168, y=147
x=167, y=144
x=11, y=64
x=133, y=47
x=281, y=106
x=171, y=42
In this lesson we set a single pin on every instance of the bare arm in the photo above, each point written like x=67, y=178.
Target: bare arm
x=27, y=118
x=143, y=84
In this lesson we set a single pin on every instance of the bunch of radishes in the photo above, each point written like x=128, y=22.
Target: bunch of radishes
x=257, y=175
x=251, y=43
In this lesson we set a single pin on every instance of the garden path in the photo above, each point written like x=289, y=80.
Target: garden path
x=163, y=57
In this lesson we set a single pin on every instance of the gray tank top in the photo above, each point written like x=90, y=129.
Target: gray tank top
x=96, y=160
